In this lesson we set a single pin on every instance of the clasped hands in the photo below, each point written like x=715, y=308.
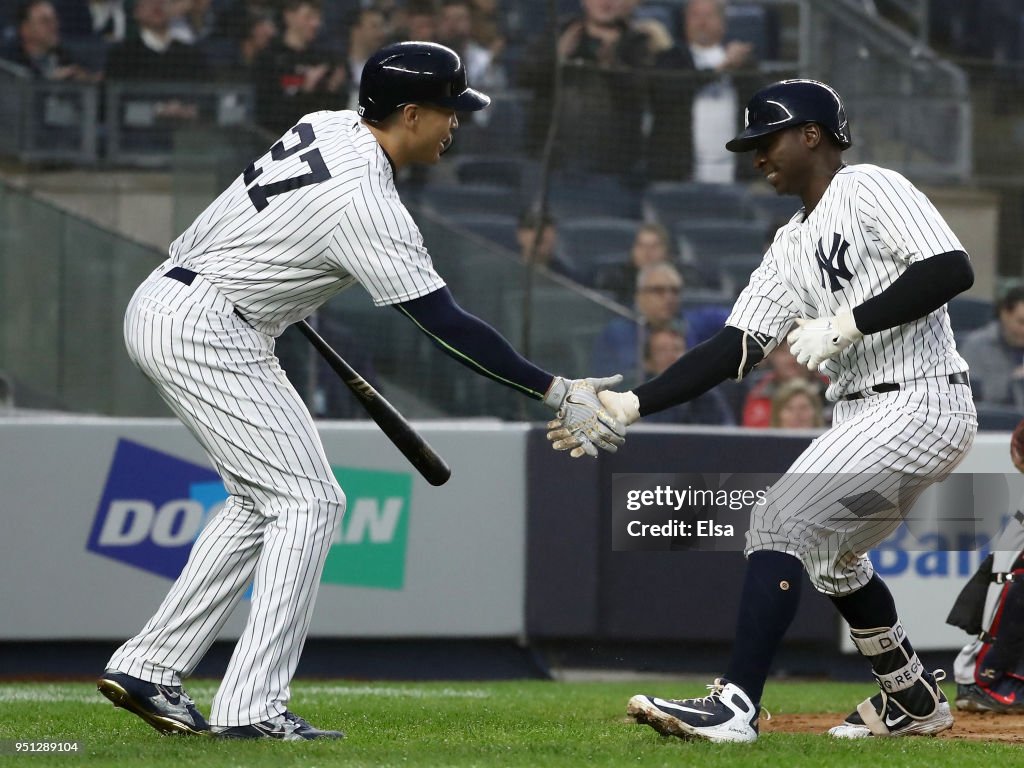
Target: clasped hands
x=589, y=416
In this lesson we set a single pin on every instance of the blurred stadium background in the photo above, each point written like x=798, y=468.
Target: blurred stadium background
x=508, y=570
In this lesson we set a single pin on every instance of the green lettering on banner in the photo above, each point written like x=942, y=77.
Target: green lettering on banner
x=370, y=547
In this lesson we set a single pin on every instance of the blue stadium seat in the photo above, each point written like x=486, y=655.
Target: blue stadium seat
x=707, y=241
x=584, y=195
x=89, y=52
x=774, y=210
x=752, y=24
x=734, y=272
x=694, y=298
x=471, y=198
x=966, y=314
x=994, y=418
x=496, y=227
x=502, y=171
x=502, y=125
x=590, y=243
x=669, y=202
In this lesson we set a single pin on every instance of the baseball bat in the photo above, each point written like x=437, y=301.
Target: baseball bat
x=410, y=442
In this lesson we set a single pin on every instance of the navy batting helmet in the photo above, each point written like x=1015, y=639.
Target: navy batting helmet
x=415, y=73
x=792, y=102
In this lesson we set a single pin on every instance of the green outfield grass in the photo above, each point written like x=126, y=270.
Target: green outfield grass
x=468, y=724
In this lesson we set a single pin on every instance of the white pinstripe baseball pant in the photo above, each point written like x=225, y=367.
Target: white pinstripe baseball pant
x=854, y=484
x=223, y=381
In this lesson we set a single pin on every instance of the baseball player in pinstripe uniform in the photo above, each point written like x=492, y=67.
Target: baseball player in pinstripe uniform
x=316, y=214
x=864, y=270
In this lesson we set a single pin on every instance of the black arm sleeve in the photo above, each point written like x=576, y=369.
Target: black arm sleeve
x=703, y=367
x=923, y=288
x=474, y=343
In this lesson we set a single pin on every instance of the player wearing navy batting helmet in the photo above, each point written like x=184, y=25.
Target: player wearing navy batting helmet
x=859, y=279
x=317, y=213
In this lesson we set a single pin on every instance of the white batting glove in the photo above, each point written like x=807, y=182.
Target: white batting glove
x=623, y=406
x=582, y=425
x=815, y=341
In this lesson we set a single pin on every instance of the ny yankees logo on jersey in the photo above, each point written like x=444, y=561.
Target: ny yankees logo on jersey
x=835, y=264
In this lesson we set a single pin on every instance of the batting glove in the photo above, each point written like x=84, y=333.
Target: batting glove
x=815, y=341
x=582, y=425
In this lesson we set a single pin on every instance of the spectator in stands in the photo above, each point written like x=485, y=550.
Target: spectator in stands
x=797, y=404
x=782, y=369
x=602, y=98
x=192, y=20
x=234, y=16
x=104, y=21
x=293, y=77
x=153, y=53
x=692, y=113
x=659, y=37
x=237, y=46
x=546, y=254
x=487, y=25
x=417, y=21
x=455, y=29
x=37, y=45
x=995, y=353
x=662, y=348
x=652, y=245
x=260, y=31
x=619, y=347
x=368, y=30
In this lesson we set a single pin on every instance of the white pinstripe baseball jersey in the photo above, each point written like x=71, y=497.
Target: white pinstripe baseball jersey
x=316, y=213
x=312, y=216
x=868, y=227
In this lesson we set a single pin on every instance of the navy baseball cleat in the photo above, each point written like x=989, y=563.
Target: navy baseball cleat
x=286, y=727
x=1005, y=696
x=726, y=714
x=167, y=708
x=882, y=715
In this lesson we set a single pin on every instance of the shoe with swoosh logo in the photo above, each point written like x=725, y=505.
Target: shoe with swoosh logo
x=882, y=715
x=165, y=707
x=725, y=714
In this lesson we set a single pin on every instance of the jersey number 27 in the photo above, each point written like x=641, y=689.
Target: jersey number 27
x=317, y=168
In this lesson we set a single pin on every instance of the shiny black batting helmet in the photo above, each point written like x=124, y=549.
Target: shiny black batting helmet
x=792, y=102
x=415, y=73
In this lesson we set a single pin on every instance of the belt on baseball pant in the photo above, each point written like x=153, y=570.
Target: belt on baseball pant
x=186, y=276
x=880, y=389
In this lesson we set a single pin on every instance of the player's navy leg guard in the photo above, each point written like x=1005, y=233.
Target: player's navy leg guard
x=878, y=634
x=771, y=595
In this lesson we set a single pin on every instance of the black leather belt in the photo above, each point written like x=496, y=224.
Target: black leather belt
x=879, y=389
x=181, y=274
x=186, y=276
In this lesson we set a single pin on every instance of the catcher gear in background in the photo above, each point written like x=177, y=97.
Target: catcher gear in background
x=991, y=606
x=415, y=73
x=1017, y=447
x=788, y=103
